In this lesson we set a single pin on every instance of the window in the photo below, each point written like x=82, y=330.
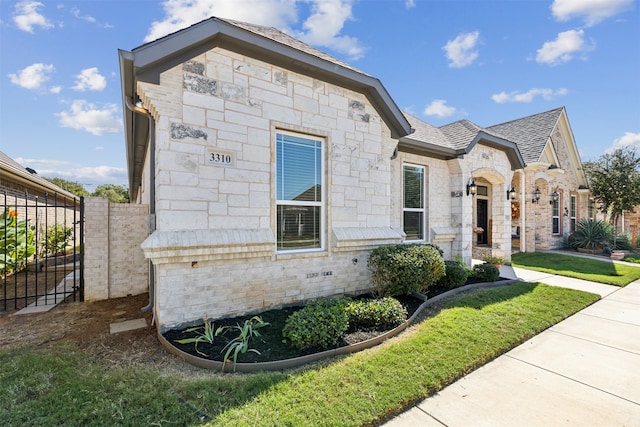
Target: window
x=555, y=215
x=300, y=201
x=592, y=208
x=572, y=213
x=413, y=209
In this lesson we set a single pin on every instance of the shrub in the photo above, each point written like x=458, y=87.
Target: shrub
x=319, y=324
x=486, y=272
x=456, y=275
x=54, y=240
x=592, y=234
x=405, y=268
x=385, y=312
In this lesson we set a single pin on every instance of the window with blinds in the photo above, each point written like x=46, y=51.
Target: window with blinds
x=300, y=200
x=413, y=210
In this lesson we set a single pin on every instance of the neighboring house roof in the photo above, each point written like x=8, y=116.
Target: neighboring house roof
x=145, y=63
x=455, y=140
x=531, y=133
x=18, y=178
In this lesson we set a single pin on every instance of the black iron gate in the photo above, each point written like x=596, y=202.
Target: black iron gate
x=41, y=247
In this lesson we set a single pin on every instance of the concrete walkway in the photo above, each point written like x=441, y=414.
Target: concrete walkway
x=584, y=371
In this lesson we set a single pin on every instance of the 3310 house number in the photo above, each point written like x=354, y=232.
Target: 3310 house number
x=220, y=158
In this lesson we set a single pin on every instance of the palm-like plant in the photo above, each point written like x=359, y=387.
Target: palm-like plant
x=592, y=234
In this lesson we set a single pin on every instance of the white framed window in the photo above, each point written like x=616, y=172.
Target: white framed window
x=555, y=216
x=414, y=216
x=300, y=201
x=592, y=208
x=573, y=212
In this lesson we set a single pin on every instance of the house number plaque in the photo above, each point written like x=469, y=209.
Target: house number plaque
x=221, y=158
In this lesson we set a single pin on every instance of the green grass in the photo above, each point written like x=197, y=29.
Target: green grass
x=60, y=386
x=578, y=267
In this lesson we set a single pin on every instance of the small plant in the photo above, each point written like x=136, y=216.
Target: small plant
x=486, y=272
x=592, y=234
x=207, y=335
x=495, y=260
x=319, y=324
x=405, y=268
x=385, y=312
x=456, y=275
x=240, y=344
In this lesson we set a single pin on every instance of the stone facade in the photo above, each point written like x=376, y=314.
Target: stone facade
x=114, y=264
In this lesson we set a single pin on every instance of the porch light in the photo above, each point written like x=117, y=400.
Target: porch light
x=472, y=188
x=536, y=196
x=554, y=197
x=511, y=194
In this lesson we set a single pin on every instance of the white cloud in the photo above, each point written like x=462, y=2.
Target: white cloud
x=591, y=11
x=410, y=4
x=26, y=16
x=33, y=76
x=564, y=48
x=324, y=25
x=547, y=94
x=462, y=51
x=321, y=28
x=90, y=79
x=629, y=140
x=439, y=108
x=85, y=116
x=78, y=15
x=84, y=175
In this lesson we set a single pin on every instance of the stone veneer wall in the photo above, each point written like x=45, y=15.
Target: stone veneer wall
x=214, y=245
x=114, y=264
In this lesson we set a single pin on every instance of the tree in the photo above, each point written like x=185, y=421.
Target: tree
x=115, y=193
x=614, y=180
x=71, y=187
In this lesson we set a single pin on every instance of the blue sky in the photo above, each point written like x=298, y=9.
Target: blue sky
x=485, y=61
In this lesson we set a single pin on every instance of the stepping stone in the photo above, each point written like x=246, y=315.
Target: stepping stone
x=128, y=325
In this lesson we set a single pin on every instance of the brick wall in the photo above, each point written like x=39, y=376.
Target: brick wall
x=114, y=264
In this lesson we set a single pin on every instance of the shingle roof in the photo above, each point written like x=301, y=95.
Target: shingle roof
x=425, y=132
x=530, y=133
x=286, y=40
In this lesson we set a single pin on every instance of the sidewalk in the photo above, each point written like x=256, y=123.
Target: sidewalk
x=584, y=371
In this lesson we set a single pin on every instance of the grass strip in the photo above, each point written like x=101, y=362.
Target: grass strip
x=60, y=385
x=590, y=269
x=366, y=388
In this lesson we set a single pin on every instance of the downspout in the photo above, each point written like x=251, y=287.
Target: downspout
x=152, y=194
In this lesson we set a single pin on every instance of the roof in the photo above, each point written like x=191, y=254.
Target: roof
x=530, y=133
x=455, y=140
x=147, y=62
x=14, y=173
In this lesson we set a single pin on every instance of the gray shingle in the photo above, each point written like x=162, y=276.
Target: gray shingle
x=530, y=133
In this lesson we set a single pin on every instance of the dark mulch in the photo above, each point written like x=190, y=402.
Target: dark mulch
x=270, y=342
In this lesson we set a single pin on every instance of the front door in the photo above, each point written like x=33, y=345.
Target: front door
x=482, y=220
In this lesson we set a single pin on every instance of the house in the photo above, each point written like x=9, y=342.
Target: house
x=272, y=169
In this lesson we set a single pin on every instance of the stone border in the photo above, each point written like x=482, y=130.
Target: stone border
x=277, y=365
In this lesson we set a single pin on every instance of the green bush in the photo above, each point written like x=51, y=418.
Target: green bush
x=486, y=272
x=17, y=242
x=54, y=240
x=456, y=275
x=385, y=312
x=319, y=324
x=405, y=268
x=592, y=234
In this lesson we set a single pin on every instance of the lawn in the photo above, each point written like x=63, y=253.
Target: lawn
x=578, y=267
x=60, y=386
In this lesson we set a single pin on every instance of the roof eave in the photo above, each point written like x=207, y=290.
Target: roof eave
x=408, y=145
x=510, y=148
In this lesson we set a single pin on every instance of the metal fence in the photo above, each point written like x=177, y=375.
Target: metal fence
x=41, y=244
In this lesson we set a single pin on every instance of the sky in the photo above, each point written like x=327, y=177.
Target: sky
x=441, y=60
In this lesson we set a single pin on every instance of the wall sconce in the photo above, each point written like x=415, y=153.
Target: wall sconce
x=472, y=188
x=566, y=212
x=536, y=196
x=554, y=197
x=511, y=194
